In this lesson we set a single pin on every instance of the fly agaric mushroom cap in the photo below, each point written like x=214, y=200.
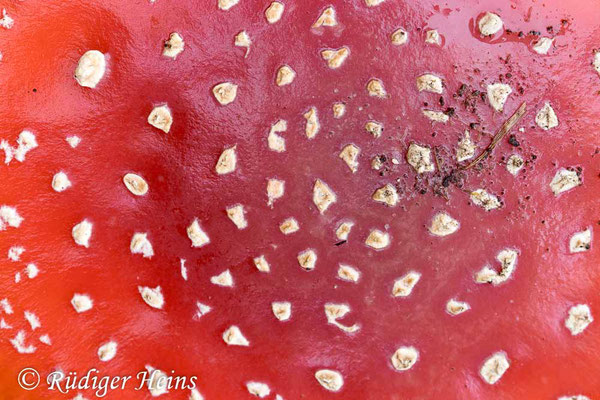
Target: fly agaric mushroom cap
x=183, y=267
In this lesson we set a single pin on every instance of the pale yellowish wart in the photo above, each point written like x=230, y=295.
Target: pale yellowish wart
x=374, y=128
x=307, y=259
x=275, y=141
x=224, y=279
x=32, y=319
x=312, y=123
x=282, y=310
x=443, y=224
x=196, y=234
x=227, y=4
x=466, y=148
x=261, y=264
x=433, y=37
x=575, y=397
x=285, y=75
x=327, y=18
x=237, y=215
x=349, y=155
x=82, y=232
x=333, y=312
x=378, y=239
x=152, y=296
x=339, y=109
x=419, y=157
x=343, y=230
x=183, y=269
x=60, y=182
x=581, y=241
x=107, y=351
x=542, y=45
x=323, y=196
x=225, y=92
x=375, y=89
x=233, y=337
x=596, y=62
x=157, y=382
x=173, y=46
x=9, y=217
x=242, y=39
x=289, y=226
x=387, y=195
x=564, y=180
x=579, y=318
x=485, y=200
x=455, y=307
x=274, y=12
x=405, y=358
x=18, y=343
x=73, y=140
x=498, y=94
x=82, y=302
x=275, y=190
x=160, y=117
x=489, y=24
x=227, y=161
x=25, y=143
x=399, y=37
x=202, y=309
x=373, y=3
x=14, y=253
x=31, y=270
x=135, y=184
x=348, y=273
x=404, y=286
x=6, y=21
x=514, y=164
x=335, y=57
x=258, y=389
x=436, y=116
x=430, y=83
x=546, y=117
x=494, y=367
x=508, y=261
x=141, y=245
x=329, y=379
x=90, y=69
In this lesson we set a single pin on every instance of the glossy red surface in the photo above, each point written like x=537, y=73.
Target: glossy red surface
x=523, y=317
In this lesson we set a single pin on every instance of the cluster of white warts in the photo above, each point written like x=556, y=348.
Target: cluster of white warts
x=91, y=70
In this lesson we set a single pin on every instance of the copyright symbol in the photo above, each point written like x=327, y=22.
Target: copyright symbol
x=28, y=379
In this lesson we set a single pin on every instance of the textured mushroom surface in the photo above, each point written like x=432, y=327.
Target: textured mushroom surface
x=242, y=154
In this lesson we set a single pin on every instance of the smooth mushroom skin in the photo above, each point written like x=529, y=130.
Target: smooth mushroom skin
x=524, y=317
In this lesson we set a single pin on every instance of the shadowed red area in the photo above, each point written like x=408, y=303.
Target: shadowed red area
x=523, y=317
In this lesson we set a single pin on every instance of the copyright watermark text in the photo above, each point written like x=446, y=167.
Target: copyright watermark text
x=65, y=382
